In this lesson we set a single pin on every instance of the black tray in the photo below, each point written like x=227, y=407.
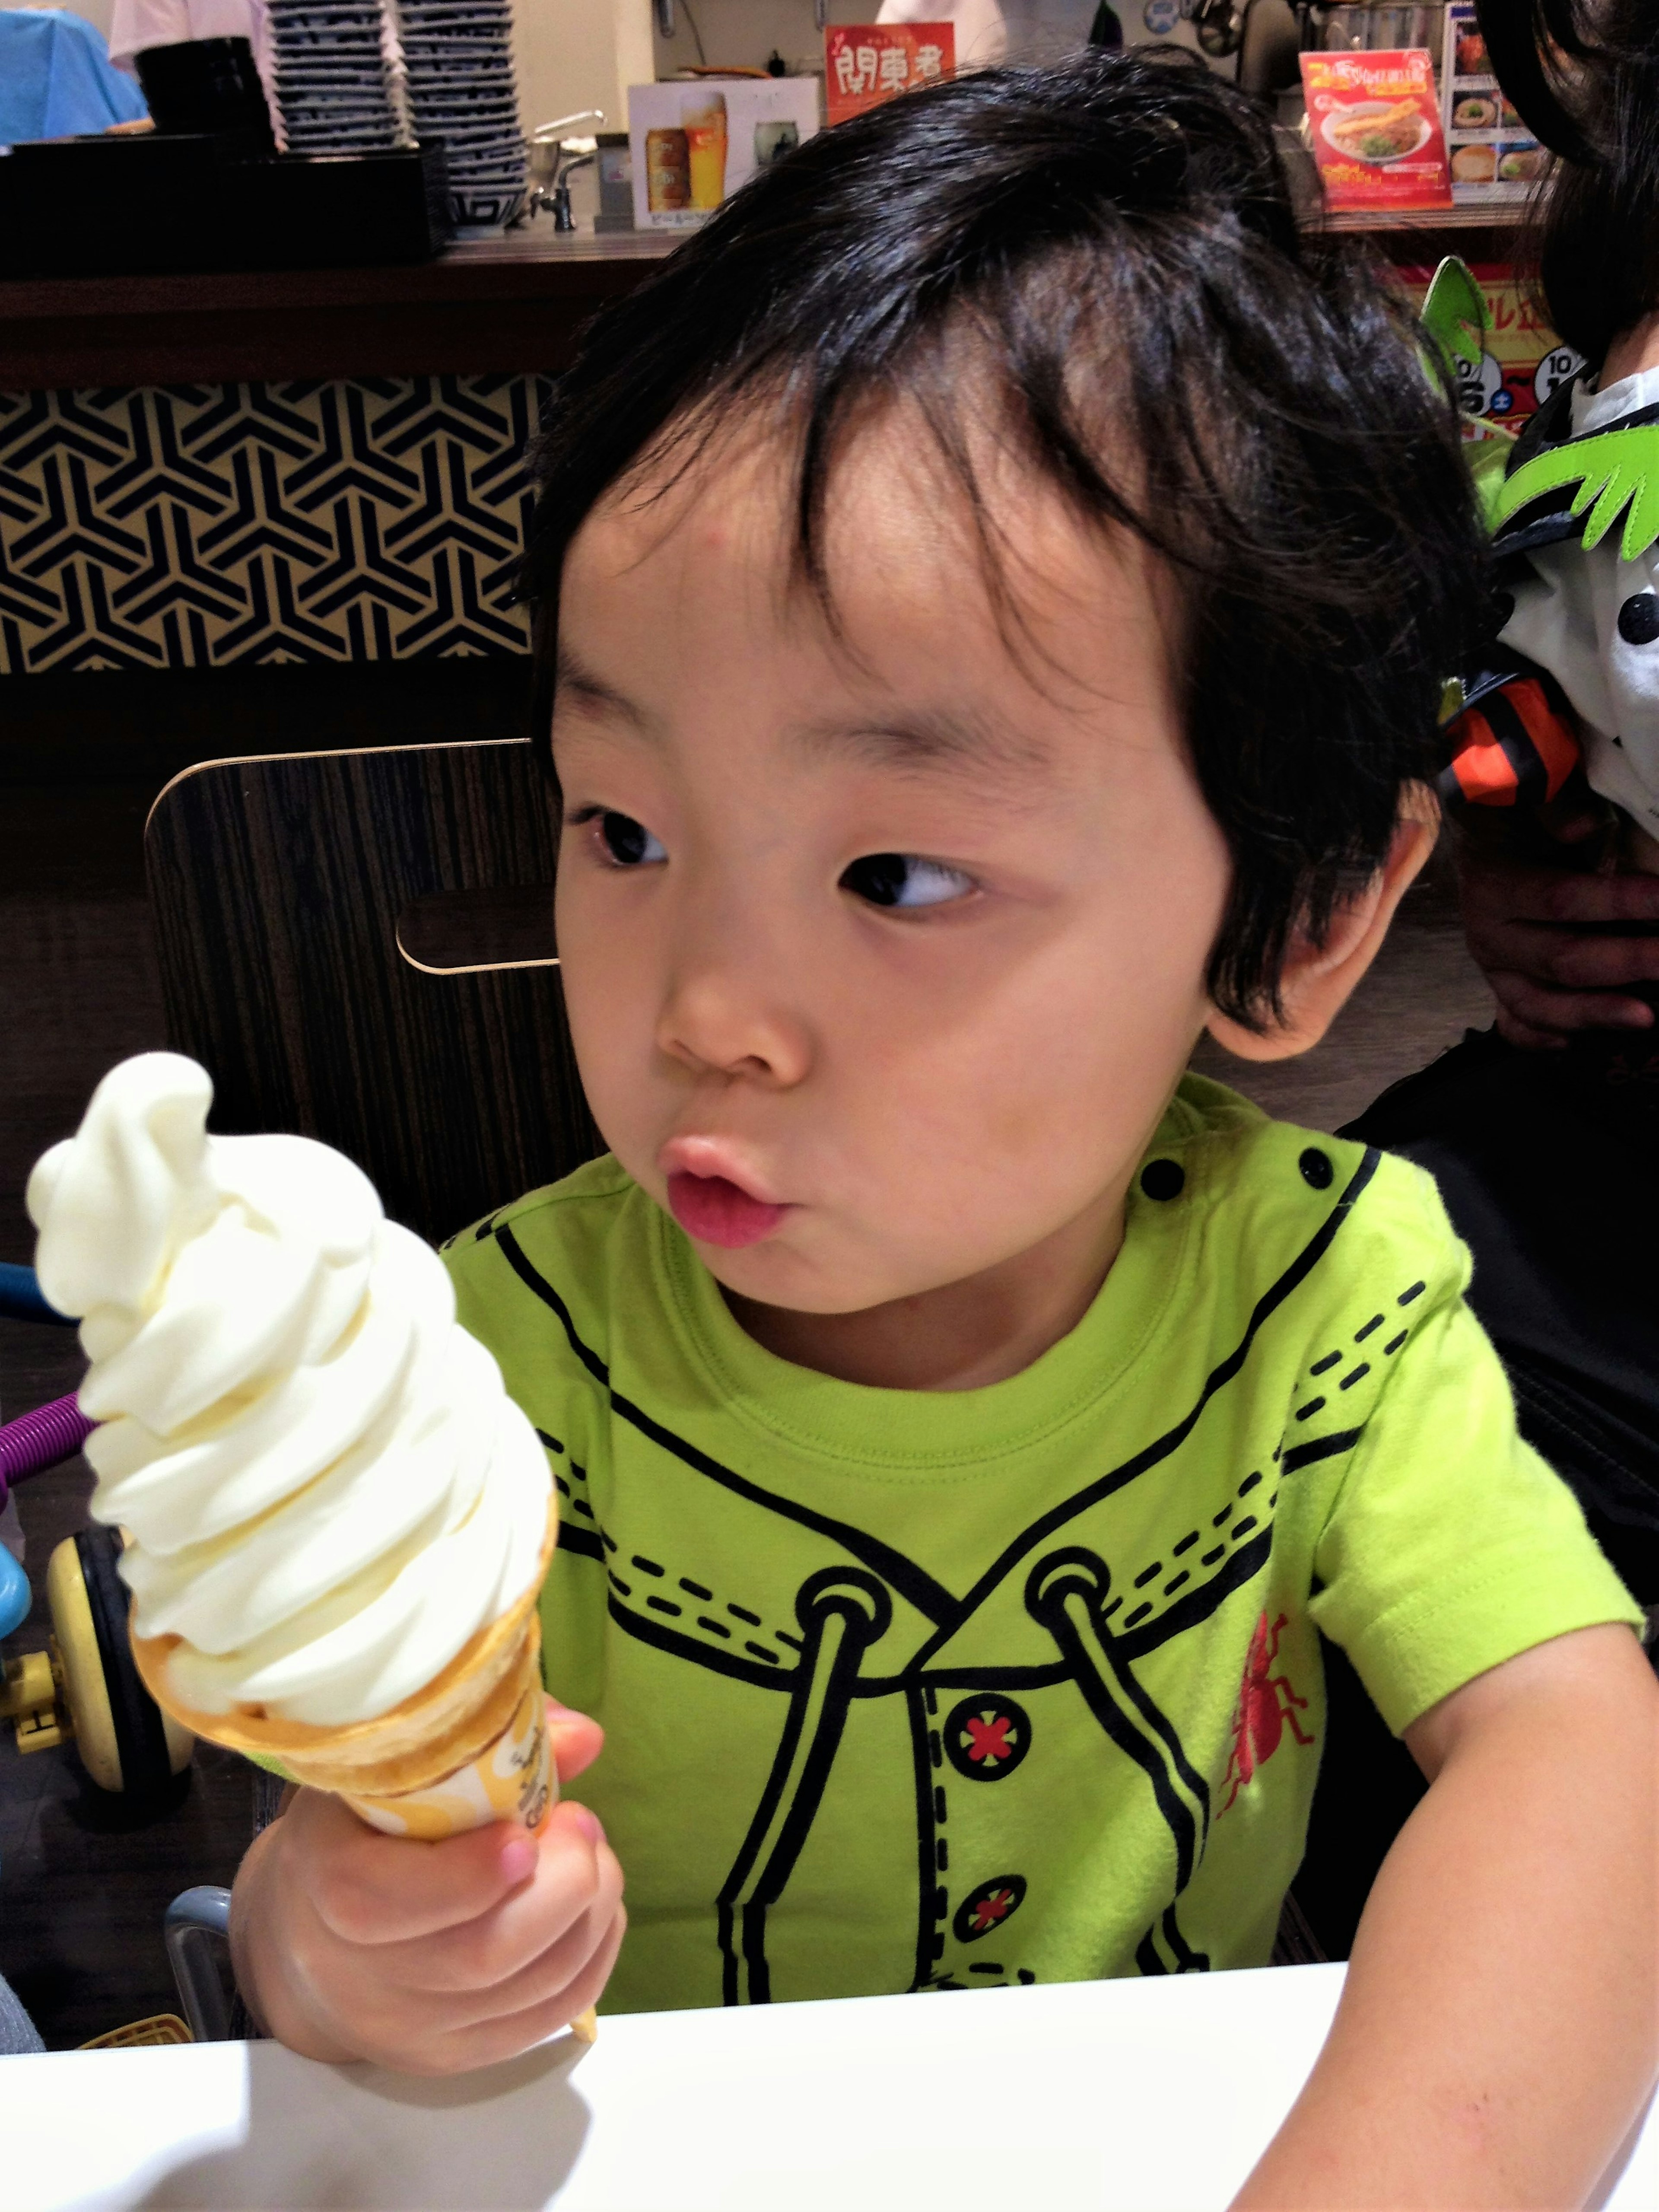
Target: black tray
x=164, y=203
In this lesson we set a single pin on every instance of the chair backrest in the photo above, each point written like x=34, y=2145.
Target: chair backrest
x=358, y=946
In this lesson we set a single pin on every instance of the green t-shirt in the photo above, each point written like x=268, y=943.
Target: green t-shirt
x=914, y=1689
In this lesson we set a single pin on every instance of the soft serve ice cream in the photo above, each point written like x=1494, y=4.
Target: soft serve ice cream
x=337, y=1521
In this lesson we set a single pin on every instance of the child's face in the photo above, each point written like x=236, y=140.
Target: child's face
x=926, y=1088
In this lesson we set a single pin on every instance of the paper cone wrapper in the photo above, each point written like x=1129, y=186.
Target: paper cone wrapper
x=511, y=1779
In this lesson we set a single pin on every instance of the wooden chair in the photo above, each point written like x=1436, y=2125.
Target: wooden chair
x=358, y=946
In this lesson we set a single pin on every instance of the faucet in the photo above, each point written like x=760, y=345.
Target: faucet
x=569, y=154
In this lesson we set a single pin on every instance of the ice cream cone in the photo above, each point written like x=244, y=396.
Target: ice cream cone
x=339, y=1524
x=452, y=1720
x=470, y=1749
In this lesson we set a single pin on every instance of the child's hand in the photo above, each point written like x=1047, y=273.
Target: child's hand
x=431, y=1958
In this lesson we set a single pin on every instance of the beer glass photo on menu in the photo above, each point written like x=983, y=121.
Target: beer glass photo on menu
x=702, y=120
x=667, y=171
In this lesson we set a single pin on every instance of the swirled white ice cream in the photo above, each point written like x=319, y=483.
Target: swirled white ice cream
x=327, y=1489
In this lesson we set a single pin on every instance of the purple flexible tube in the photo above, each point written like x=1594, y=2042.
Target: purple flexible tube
x=39, y=1440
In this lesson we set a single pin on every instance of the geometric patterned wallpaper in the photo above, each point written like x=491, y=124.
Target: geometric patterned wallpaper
x=199, y=525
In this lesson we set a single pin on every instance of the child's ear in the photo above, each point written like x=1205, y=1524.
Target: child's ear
x=1317, y=980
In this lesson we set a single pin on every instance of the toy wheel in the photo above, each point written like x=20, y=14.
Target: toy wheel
x=126, y=1742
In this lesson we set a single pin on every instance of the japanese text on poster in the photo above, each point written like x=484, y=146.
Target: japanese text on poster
x=865, y=63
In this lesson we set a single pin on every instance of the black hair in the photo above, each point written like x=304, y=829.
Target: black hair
x=1584, y=76
x=1113, y=240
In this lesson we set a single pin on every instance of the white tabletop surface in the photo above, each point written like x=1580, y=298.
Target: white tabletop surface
x=1136, y=2094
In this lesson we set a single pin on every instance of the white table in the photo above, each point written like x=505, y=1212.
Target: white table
x=1108, y=2094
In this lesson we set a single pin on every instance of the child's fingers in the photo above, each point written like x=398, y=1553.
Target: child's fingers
x=539, y=1978
x=489, y=2042
x=369, y=1888
x=575, y=1871
x=577, y=1740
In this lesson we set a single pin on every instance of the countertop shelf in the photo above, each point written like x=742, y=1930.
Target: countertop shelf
x=506, y=304
x=500, y=305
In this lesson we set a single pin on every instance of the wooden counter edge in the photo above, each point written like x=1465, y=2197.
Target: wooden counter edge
x=505, y=306
x=501, y=307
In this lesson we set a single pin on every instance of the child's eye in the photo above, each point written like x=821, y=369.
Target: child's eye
x=628, y=843
x=904, y=879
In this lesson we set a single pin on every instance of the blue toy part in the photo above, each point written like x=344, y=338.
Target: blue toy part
x=20, y=1298
x=16, y=1597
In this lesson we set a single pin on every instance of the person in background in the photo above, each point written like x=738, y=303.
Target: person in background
x=1543, y=1134
x=18, y=2033
x=56, y=78
x=136, y=24
x=990, y=31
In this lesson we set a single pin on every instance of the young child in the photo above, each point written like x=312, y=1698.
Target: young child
x=996, y=585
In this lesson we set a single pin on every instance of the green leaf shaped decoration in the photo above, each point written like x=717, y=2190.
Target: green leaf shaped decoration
x=1614, y=470
x=1488, y=458
x=1456, y=322
x=1455, y=314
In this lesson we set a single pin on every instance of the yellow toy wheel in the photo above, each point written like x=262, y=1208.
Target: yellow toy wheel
x=126, y=1742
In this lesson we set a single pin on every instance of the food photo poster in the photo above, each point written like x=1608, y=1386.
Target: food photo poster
x=1374, y=124
x=1494, y=157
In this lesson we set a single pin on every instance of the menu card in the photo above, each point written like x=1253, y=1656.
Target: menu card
x=1493, y=156
x=1375, y=123
x=692, y=145
x=865, y=63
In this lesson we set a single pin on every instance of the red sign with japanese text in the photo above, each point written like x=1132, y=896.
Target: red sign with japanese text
x=865, y=63
x=1375, y=121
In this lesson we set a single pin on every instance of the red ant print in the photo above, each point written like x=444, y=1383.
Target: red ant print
x=1258, y=1719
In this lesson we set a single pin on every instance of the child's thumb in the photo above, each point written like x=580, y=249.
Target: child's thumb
x=577, y=1740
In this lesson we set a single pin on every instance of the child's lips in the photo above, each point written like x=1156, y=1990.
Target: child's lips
x=716, y=1211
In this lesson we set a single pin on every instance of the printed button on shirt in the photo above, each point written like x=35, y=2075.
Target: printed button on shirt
x=986, y=1737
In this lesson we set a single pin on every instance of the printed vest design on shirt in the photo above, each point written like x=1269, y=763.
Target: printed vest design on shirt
x=1061, y=1679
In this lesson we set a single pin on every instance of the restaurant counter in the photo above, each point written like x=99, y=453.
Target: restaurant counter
x=310, y=466
x=1127, y=2096
x=291, y=466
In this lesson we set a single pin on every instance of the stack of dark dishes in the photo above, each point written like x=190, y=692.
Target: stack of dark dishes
x=458, y=57
x=338, y=77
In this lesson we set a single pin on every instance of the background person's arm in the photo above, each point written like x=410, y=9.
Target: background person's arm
x=1499, y=2027
x=1535, y=923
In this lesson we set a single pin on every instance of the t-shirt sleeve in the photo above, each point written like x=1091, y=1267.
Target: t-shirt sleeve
x=1450, y=1545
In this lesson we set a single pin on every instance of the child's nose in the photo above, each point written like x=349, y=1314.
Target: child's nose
x=724, y=1016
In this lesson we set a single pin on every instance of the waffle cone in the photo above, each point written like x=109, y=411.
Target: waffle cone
x=450, y=1722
